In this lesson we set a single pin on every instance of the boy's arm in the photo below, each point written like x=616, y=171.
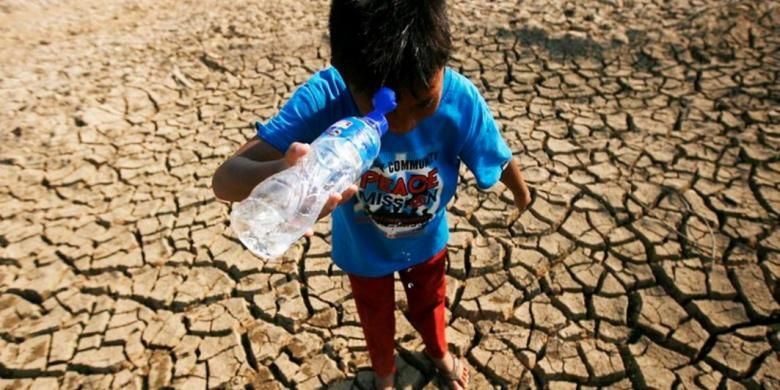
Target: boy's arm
x=254, y=162
x=513, y=179
x=251, y=164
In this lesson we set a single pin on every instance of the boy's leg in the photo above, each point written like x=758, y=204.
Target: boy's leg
x=426, y=287
x=375, y=301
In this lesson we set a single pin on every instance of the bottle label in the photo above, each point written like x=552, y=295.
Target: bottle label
x=337, y=128
x=360, y=134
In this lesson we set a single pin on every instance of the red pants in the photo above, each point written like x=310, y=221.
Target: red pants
x=425, y=287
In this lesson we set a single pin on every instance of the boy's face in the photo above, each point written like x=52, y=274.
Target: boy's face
x=412, y=107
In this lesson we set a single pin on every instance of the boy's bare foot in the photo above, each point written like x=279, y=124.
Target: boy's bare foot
x=384, y=382
x=454, y=370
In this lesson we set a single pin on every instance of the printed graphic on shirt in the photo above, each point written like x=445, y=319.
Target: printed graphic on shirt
x=402, y=195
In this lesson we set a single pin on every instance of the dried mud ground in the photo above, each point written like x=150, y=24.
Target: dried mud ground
x=650, y=257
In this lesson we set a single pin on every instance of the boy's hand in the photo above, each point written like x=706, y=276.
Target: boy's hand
x=523, y=200
x=513, y=179
x=296, y=152
x=334, y=201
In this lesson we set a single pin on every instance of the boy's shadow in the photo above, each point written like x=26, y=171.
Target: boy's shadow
x=414, y=371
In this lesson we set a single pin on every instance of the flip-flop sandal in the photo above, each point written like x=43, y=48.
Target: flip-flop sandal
x=457, y=371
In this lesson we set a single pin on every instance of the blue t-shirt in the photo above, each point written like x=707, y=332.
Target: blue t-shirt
x=398, y=217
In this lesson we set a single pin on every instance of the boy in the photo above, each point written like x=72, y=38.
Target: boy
x=397, y=223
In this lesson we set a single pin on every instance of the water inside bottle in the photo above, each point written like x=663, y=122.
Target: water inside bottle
x=283, y=207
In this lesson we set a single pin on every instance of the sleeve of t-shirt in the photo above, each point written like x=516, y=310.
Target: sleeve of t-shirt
x=484, y=151
x=302, y=118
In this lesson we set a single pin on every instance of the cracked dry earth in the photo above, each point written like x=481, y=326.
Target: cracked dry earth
x=650, y=257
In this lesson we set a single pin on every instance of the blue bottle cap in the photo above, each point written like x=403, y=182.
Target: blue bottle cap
x=384, y=102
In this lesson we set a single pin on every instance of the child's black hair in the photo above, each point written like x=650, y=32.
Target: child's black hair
x=396, y=43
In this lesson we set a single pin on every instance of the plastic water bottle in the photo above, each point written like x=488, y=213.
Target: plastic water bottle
x=282, y=207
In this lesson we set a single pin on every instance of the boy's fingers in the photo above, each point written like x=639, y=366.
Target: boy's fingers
x=331, y=204
x=308, y=233
x=348, y=193
x=295, y=152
